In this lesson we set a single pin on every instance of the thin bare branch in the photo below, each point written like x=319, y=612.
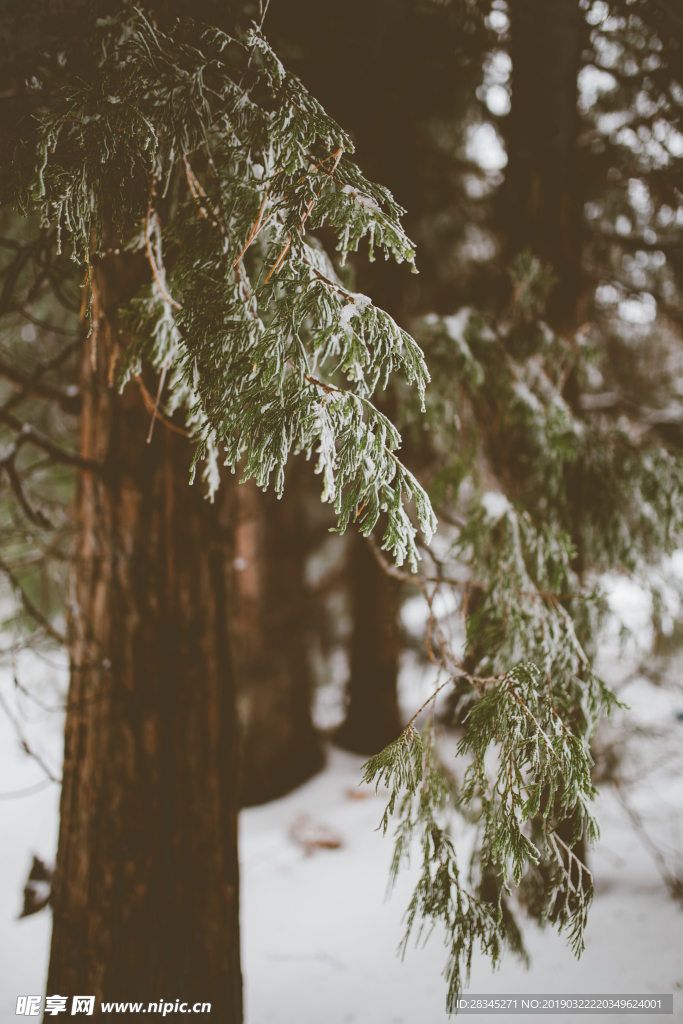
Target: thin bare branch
x=24, y=742
x=39, y=440
x=30, y=608
x=68, y=398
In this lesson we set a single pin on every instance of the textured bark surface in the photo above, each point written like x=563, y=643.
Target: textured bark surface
x=279, y=746
x=540, y=202
x=146, y=888
x=373, y=717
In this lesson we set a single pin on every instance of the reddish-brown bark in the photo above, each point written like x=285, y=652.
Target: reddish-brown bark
x=373, y=717
x=146, y=888
x=279, y=746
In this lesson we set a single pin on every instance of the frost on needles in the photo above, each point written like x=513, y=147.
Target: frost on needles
x=209, y=151
x=525, y=742
x=524, y=689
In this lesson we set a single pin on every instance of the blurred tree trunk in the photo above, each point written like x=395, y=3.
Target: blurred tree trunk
x=406, y=58
x=373, y=717
x=146, y=886
x=280, y=747
x=541, y=199
x=541, y=205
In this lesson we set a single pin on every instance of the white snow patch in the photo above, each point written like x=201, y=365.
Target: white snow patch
x=356, y=307
x=485, y=147
x=631, y=606
x=361, y=198
x=495, y=504
x=456, y=326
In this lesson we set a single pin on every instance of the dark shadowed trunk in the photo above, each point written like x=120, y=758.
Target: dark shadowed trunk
x=401, y=58
x=540, y=203
x=541, y=199
x=146, y=889
x=372, y=716
x=279, y=746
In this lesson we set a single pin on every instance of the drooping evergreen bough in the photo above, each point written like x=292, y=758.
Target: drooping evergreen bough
x=207, y=151
x=199, y=151
x=581, y=491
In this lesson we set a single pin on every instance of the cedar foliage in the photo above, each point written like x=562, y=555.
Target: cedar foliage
x=575, y=495
x=250, y=307
x=212, y=161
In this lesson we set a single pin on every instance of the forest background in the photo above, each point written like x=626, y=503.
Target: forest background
x=537, y=151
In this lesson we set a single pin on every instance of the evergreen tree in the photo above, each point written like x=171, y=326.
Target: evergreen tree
x=216, y=174
x=150, y=763
x=531, y=462
x=201, y=146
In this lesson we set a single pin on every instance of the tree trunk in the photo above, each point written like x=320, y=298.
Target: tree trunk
x=540, y=202
x=146, y=887
x=373, y=718
x=280, y=748
x=541, y=199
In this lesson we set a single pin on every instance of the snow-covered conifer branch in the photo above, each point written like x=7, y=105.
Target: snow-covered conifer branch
x=522, y=685
x=263, y=346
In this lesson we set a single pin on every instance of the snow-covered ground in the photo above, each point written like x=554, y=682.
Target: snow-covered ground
x=319, y=939
x=28, y=825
